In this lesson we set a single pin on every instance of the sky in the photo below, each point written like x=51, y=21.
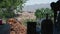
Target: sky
x=32, y=2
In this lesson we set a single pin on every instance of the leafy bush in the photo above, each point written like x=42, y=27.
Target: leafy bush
x=41, y=13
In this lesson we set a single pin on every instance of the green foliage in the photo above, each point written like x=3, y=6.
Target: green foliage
x=8, y=14
x=37, y=13
x=8, y=3
x=41, y=13
x=9, y=6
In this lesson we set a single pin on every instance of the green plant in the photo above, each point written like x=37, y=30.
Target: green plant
x=41, y=13
x=7, y=7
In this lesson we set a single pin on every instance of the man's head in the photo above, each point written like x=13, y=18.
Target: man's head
x=55, y=6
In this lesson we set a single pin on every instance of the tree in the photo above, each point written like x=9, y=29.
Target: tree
x=50, y=12
x=41, y=13
x=37, y=13
x=7, y=7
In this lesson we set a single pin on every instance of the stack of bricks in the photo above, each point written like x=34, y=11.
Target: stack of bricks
x=16, y=27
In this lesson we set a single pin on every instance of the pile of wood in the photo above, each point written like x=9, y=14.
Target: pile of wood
x=16, y=27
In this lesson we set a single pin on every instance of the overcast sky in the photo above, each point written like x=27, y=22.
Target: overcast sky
x=32, y=2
